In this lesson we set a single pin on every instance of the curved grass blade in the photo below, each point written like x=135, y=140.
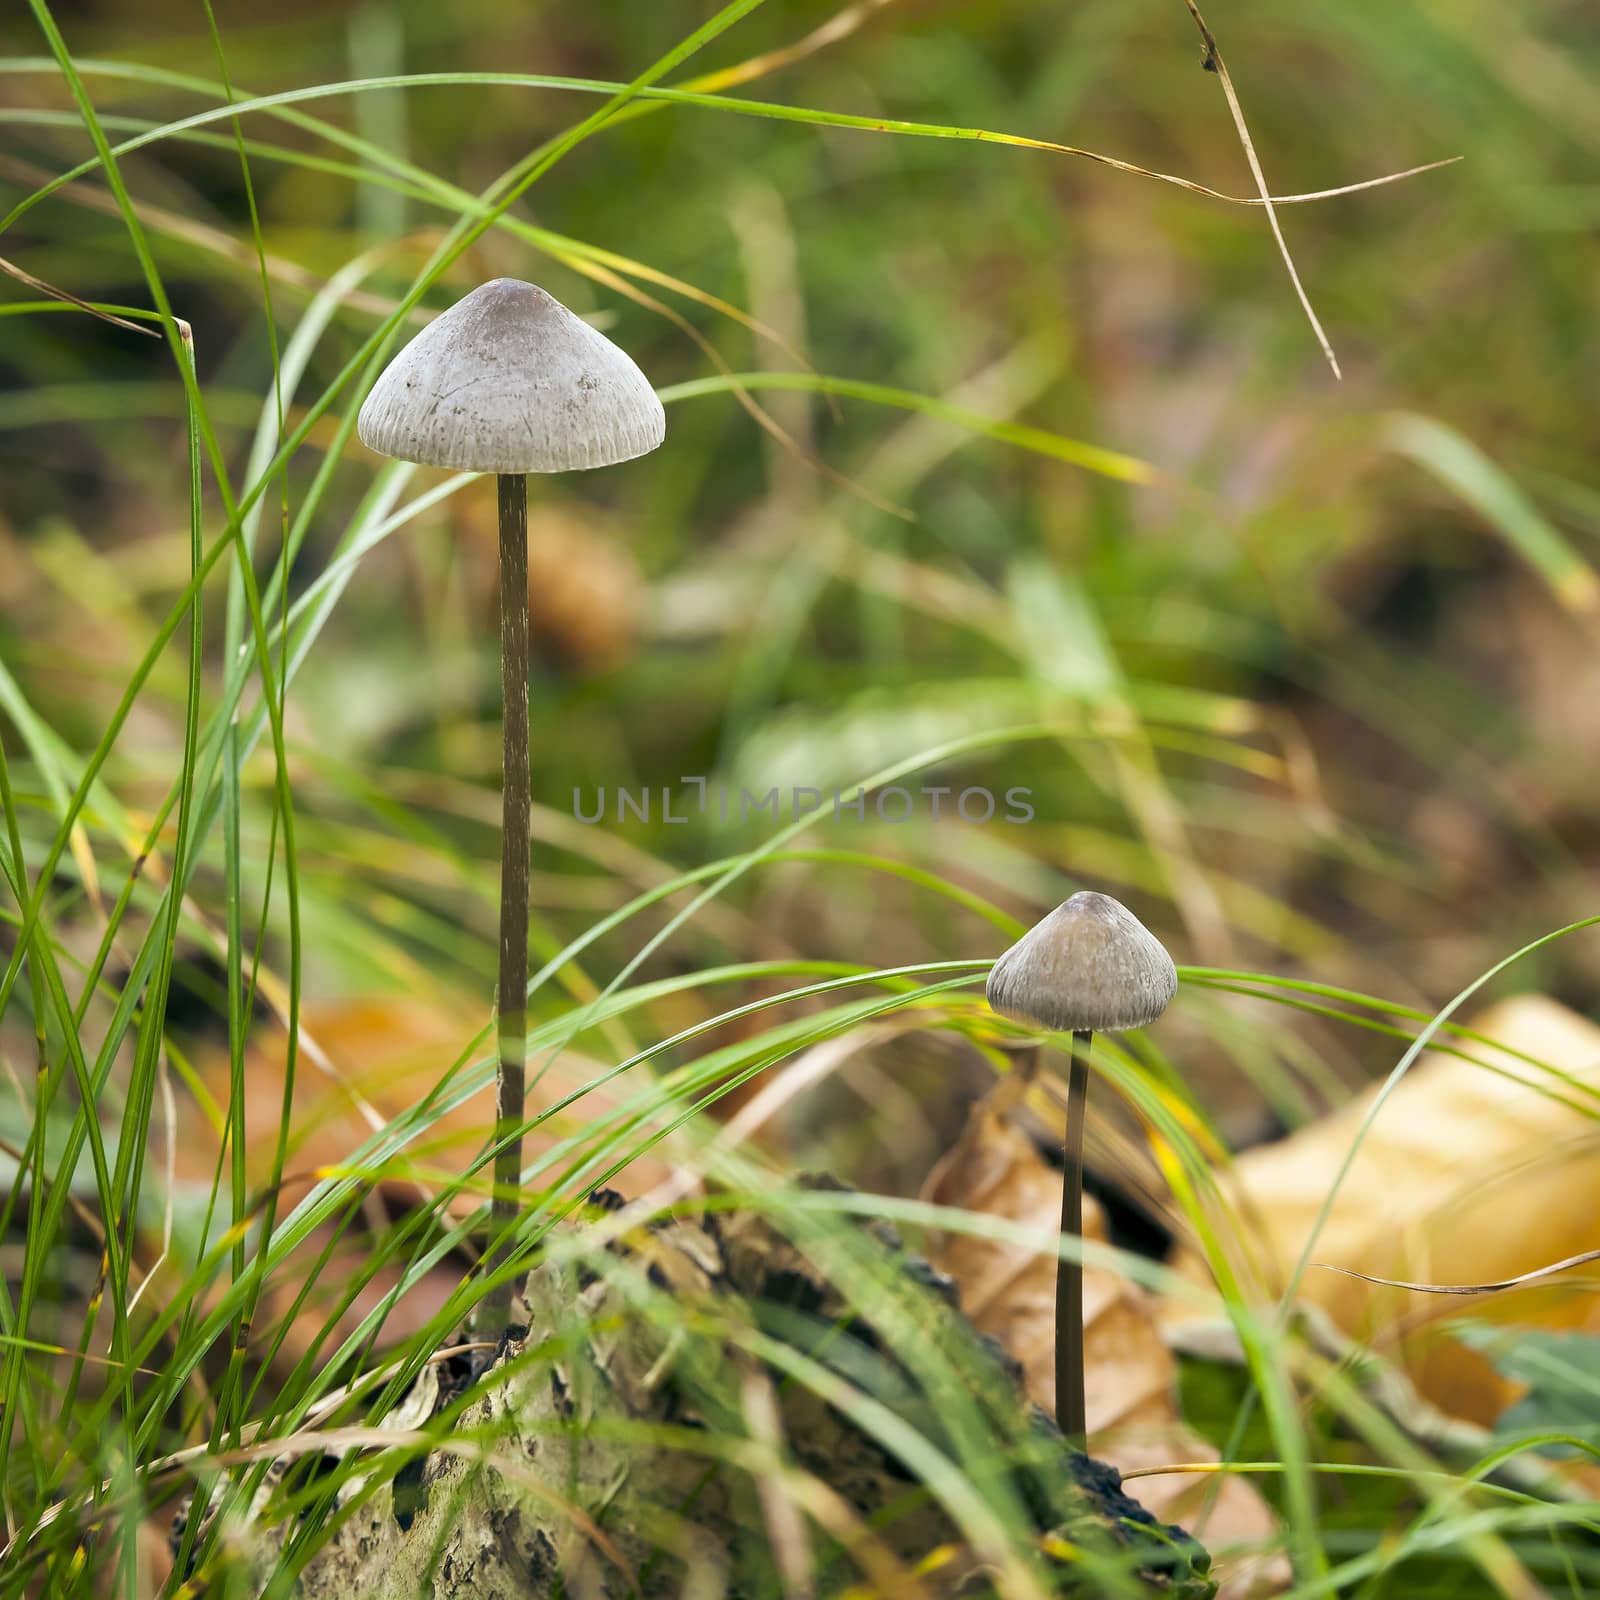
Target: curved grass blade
x=1535, y=1276
x=1465, y=470
x=11, y=269
x=1093, y=458
x=646, y=91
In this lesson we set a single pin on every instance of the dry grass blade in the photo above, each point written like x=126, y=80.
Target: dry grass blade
x=786, y=1527
x=1172, y=1469
x=1441, y=1192
x=1538, y=1273
x=327, y=1440
x=762, y=418
x=169, y=1112
x=215, y=240
x=1343, y=188
x=1260, y=198
x=833, y=31
x=108, y=1363
x=179, y=1459
x=75, y=1205
x=1215, y=63
x=800, y=1076
x=11, y=269
x=574, y=253
x=891, y=1578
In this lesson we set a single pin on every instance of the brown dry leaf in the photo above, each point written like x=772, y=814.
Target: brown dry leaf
x=1009, y=1293
x=379, y=1056
x=1471, y=1173
x=385, y=1054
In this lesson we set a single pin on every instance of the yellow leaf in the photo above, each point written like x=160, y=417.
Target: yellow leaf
x=1475, y=1170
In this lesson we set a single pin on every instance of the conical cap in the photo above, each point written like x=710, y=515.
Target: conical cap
x=508, y=380
x=1090, y=965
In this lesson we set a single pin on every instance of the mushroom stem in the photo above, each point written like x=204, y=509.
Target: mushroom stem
x=1070, y=1411
x=512, y=997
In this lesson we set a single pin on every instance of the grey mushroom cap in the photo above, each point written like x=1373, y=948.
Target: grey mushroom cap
x=508, y=380
x=1091, y=965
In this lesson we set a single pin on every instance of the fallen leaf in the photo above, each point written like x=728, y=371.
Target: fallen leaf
x=1008, y=1291
x=362, y=1062
x=1475, y=1171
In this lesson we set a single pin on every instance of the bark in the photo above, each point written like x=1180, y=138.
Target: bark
x=590, y=1490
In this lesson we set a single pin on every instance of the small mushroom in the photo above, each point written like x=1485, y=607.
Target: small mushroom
x=1089, y=967
x=509, y=381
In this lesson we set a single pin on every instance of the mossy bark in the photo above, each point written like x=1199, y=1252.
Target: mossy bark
x=593, y=1487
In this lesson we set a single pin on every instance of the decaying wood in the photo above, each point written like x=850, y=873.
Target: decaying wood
x=635, y=1444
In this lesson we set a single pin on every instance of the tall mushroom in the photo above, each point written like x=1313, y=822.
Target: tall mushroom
x=509, y=381
x=1090, y=966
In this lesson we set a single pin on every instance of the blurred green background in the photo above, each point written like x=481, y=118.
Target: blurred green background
x=1324, y=692
x=1306, y=671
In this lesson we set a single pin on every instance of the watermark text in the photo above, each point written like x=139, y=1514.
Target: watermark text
x=893, y=804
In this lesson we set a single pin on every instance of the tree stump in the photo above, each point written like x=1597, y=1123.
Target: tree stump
x=719, y=1407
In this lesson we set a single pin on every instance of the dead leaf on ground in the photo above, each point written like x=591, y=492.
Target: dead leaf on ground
x=1130, y=1378
x=1474, y=1171
x=376, y=1058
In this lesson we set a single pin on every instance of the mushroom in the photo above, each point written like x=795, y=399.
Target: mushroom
x=1090, y=966
x=509, y=381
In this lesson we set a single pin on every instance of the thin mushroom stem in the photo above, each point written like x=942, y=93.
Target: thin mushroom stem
x=511, y=1027
x=1070, y=1409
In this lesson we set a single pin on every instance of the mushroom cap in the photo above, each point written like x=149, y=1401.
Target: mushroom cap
x=508, y=380
x=1091, y=965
